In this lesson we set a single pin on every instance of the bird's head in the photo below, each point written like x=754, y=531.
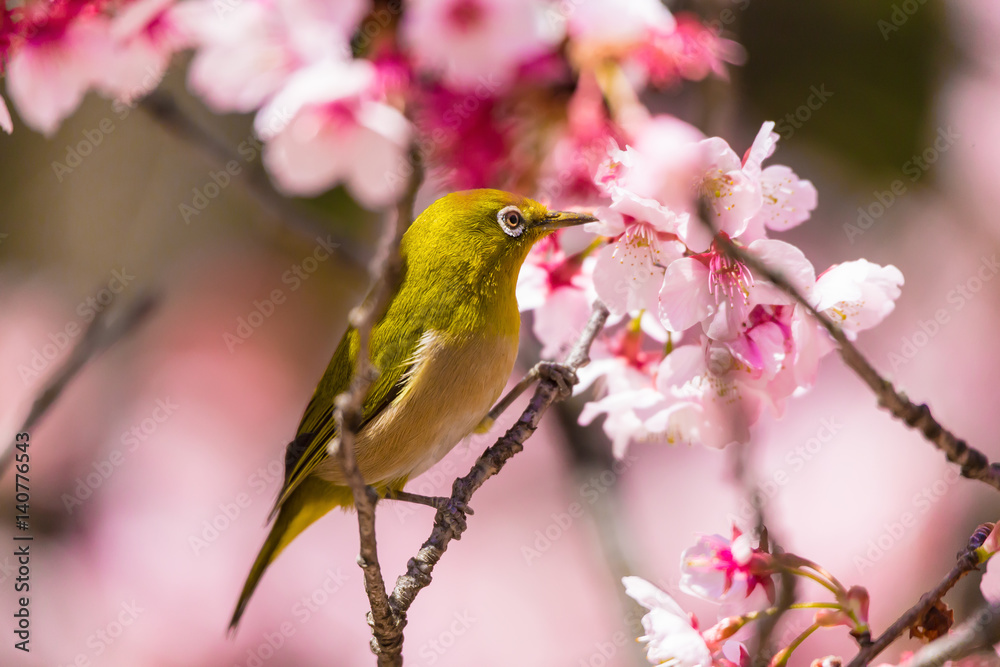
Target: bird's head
x=485, y=229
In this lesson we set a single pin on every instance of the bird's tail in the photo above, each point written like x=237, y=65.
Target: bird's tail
x=312, y=499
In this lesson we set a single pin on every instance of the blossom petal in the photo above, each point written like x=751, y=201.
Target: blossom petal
x=685, y=298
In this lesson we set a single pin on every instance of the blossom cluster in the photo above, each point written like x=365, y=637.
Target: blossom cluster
x=535, y=96
x=493, y=93
x=704, y=345
x=720, y=569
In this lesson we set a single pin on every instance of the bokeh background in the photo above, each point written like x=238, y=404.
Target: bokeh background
x=152, y=476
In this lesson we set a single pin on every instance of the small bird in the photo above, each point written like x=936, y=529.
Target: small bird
x=444, y=349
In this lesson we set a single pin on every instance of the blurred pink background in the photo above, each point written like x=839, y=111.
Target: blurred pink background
x=144, y=569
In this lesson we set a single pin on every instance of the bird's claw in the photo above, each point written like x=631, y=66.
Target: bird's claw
x=453, y=513
x=562, y=375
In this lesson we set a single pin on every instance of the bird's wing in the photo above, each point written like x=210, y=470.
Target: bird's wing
x=394, y=355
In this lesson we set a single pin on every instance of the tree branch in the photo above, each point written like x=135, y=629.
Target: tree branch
x=967, y=562
x=420, y=567
x=162, y=108
x=386, y=271
x=97, y=338
x=973, y=463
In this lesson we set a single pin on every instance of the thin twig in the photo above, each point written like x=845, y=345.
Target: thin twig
x=162, y=108
x=967, y=562
x=386, y=271
x=787, y=582
x=420, y=567
x=97, y=338
x=973, y=463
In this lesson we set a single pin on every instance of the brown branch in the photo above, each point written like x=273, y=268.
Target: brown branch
x=162, y=108
x=420, y=567
x=98, y=337
x=967, y=562
x=386, y=272
x=973, y=463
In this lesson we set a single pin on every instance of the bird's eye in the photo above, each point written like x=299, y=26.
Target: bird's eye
x=511, y=220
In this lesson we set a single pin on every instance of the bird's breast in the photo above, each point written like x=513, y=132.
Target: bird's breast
x=452, y=385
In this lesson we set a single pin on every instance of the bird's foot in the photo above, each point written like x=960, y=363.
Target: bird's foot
x=564, y=376
x=452, y=512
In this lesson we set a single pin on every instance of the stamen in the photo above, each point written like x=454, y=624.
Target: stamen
x=728, y=276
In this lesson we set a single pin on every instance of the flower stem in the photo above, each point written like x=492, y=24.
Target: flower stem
x=784, y=654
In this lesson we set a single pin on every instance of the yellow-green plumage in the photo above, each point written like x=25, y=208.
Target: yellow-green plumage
x=444, y=349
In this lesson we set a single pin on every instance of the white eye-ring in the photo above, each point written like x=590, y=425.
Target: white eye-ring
x=511, y=220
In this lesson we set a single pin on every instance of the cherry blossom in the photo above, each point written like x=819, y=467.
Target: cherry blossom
x=146, y=35
x=672, y=636
x=625, y=369
x=630, y=270
x=719, y=292
x=328, y=125
x=564, y=286
x=62, y=50
x=476, y=42
x=711, y=567
x=248, y=50
x=688, y=50
x=617, y=23
x=858, y=295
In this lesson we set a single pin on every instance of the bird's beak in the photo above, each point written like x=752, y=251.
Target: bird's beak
x=559, y=219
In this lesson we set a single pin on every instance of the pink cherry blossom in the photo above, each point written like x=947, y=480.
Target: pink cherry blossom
x=711, y=567
x=624, y=22
x=672, y=636
x=787, y=200
x=477, y=42
x=248, y=50
x=858, y=295
x=581, y=149
x=687, y=50
x=146, y=35
x=466, y=146
x=328, y=125
x=559, y=289
x=62, y=50
x=719, y=292
x=625, y=369
x=629, y=271
x=705, y=398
